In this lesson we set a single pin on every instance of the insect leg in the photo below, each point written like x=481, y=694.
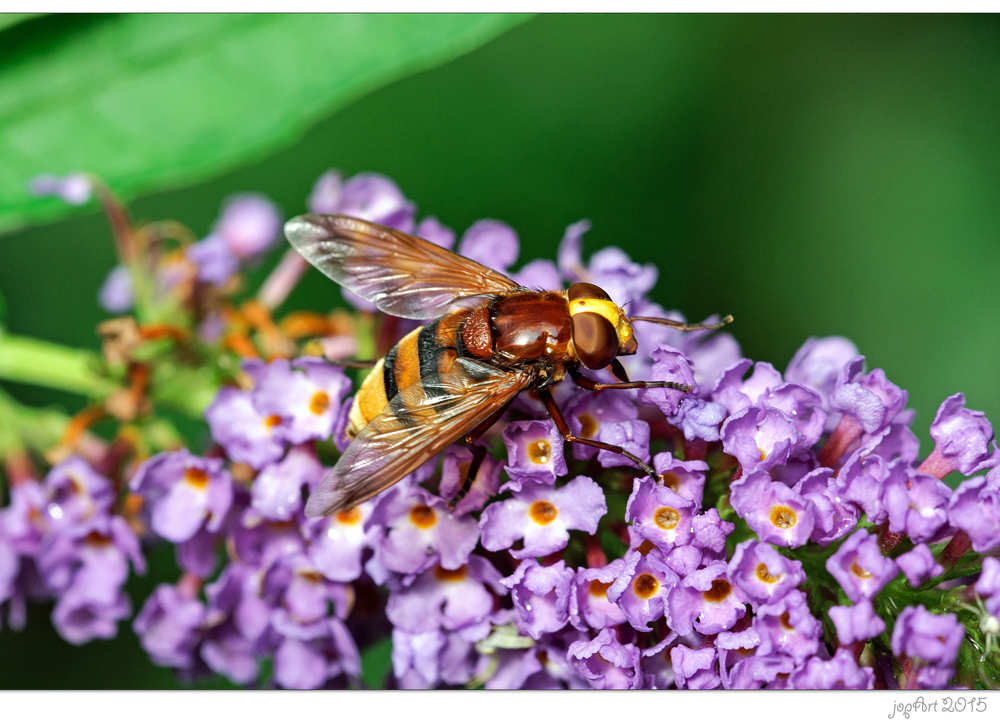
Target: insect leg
x=592, y=385
x=550, y=406
x=366, y=363
x=478, y=454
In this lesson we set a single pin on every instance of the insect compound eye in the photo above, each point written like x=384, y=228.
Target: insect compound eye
x=595, y=339
x=586, y=290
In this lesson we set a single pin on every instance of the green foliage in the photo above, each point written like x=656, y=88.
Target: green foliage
x=153, y=101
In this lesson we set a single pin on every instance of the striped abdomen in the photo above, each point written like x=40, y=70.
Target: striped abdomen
x=422, y=353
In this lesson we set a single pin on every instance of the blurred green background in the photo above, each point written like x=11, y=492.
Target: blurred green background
x=811, y=175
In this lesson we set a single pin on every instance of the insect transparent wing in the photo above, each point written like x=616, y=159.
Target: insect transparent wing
x=402, y=275
x=418, y=423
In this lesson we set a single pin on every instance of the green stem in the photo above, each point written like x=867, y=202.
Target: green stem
x=21, y=426
x=32, y=361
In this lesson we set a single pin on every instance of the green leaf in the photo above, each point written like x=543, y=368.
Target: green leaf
x=375, y=663
x=9, y=20
x=153, y=101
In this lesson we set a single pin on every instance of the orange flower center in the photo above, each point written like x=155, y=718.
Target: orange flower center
x=671, y=481
x=271, y=421
x=198, y=478
x=351, y=516
x=764, y=575
x=645, y=585
x=450, y=575
x=597, y=588
x=588, y=426
x=783, y=517
x=666, y=517
x=543, y=512
x=319, y=403
x=540, y=452
x=646, y=547
x=423, y=517
x=719, y=591
x=859, y=572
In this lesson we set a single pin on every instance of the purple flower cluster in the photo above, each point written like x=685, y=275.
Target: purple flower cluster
x=61, y=540
x=248, y=226
x=792, y=538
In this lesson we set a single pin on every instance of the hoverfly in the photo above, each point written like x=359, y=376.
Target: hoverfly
x=489, y=339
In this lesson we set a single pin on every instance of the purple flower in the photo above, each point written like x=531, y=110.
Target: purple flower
x=417, y=531
x=215, y=261
x=974, y=508
x=77, y=494
x=962, y=440
x=248, y=225
x=684, y=478
x=759, y=670
x=541, y=596
x=817, y=364
x=449, y=599
x=759, y=438
x=589, y=604
x=337, y=542
x=700, y=419
x=277, y=491
x=835, y=517
x=776, y=513
x=310, y=663
x=841, y=672
x=623, y=279
x=117, y=294
x=606, y=663
x=491, y=243
x=669, y=364
x=762, y=573
x=543, y=516
x=786, y=627
x=988, y=585
x=871, y=399
x=306, y=395
x=534, y=452
x=633, y=436
x=540, y=274
x=590, y=411
x=735, y=393
x=416, y=658
x=642, y=587
x=710, y=534
x=934, y=638
x=694, y=668
x=860, y=568
x=660, y=515
x=485, y=486
x=543, y=666
x=857, y=623
x=919, y=565
x=80, y=619
x=368, y=196
x=74, y=188
x=570, y=253
x=706, y=600
x=431, y=229
x=860, y=481
x=183, y=493
x=247, y=435
x=915, y=503
x=168, y=626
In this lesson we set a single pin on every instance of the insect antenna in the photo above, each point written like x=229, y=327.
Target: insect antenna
x=682, y=326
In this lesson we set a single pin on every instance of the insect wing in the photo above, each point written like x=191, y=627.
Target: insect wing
x=420, y=421
x=402, y=275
